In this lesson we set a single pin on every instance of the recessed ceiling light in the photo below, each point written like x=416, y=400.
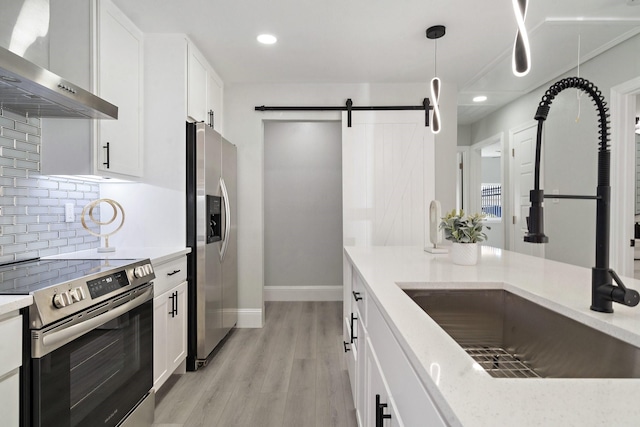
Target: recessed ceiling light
x=480, y=98
x=267, y=39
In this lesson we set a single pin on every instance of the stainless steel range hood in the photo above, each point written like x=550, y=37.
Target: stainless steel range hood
x=27, y=88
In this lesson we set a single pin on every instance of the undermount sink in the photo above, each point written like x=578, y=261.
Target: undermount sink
x=512, y=337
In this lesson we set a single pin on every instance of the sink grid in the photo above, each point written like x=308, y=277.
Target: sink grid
x=499, y=363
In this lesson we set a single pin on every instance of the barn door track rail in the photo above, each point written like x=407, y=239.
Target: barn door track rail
x=349, y=107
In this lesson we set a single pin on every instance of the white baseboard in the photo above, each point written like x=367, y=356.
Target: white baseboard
x=249, y=318
x=303, y=293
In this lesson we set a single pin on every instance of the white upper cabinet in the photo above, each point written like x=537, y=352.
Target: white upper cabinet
x=103, y=52
x=119, y=80
x=214, y=101
x=205, y=91
x=197, y=84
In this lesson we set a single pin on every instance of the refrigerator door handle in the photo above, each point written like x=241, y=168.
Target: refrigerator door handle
x=227, y=220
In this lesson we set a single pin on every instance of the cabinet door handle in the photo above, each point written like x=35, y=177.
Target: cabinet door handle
x=175, y=301
x=380, y=415
x=356, y=295
x=345, y=346
x=173, y=272
x=172, y=298
x=107, y=163
x=353, y=335
x=211, y=118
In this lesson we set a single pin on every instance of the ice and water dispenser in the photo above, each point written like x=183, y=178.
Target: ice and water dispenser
x=214, y=218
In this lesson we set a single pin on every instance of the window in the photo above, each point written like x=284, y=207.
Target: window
x=491, y=200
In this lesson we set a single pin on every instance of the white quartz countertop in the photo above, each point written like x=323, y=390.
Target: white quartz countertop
x=467, y=396
x=155, y=254
x=9, y=303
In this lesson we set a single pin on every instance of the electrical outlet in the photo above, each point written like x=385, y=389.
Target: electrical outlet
x=69, y=215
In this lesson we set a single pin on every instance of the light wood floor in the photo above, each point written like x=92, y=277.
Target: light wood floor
x=288, y=374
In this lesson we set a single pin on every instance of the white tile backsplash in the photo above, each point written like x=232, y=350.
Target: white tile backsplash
x=31, y=205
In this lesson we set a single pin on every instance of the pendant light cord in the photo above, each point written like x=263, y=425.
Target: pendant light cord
x=435, y=58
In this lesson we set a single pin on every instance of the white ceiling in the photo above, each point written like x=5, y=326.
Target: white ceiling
x=383, y=41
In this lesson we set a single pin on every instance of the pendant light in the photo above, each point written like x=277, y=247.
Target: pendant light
x=521, y=61
x=435, y=33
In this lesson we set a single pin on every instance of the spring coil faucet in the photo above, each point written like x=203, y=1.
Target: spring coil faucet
x=603, y=292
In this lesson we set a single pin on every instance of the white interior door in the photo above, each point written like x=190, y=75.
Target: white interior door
x=523, y=144
x=388, y=178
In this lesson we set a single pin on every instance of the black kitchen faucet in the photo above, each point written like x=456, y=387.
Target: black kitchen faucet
x=603, y=291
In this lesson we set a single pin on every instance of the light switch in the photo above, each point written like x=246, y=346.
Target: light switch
x=69, y=215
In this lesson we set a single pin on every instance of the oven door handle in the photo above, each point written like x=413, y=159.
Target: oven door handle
x=53, y=340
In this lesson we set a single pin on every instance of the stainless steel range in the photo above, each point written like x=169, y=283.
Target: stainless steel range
x=90, y=339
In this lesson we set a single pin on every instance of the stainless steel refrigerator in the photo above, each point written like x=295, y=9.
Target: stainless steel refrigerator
x=212, y=236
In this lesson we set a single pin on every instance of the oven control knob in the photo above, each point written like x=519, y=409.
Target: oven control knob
x=76, y=294
x=138, y=271
x=61, y=300
x=142, y=270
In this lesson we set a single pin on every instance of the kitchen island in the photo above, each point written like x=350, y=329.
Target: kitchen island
x=449, y=388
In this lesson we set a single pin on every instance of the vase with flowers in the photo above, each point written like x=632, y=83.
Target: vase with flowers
x=465, y=231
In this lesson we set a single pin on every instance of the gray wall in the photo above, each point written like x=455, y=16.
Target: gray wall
x=32, y=215
x=569, y=149
x=303, y=203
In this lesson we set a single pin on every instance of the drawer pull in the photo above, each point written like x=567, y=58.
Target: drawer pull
x=173, y=272
x=356, y=295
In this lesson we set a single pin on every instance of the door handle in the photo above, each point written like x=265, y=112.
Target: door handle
x=380, y=415
x=175, y=302
x=172, y=298
x=353, y=335
x=108, y=162
x=227, y=219
x=356, y=295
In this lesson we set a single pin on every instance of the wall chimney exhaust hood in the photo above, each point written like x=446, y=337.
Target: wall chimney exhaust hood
x=27, y=88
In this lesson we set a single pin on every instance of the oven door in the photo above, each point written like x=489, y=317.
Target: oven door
x=100, y=376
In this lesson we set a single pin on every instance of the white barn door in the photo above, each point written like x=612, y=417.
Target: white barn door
x=387, y=178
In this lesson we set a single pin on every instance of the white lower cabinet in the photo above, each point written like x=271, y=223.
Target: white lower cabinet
x=387, y=392
x=170, y=333
x=177, y=326
x=10, y=362
x=10, y=402
x=169, y=320
x=380, y=407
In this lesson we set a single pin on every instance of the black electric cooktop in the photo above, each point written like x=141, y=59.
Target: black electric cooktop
x=26, y=277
